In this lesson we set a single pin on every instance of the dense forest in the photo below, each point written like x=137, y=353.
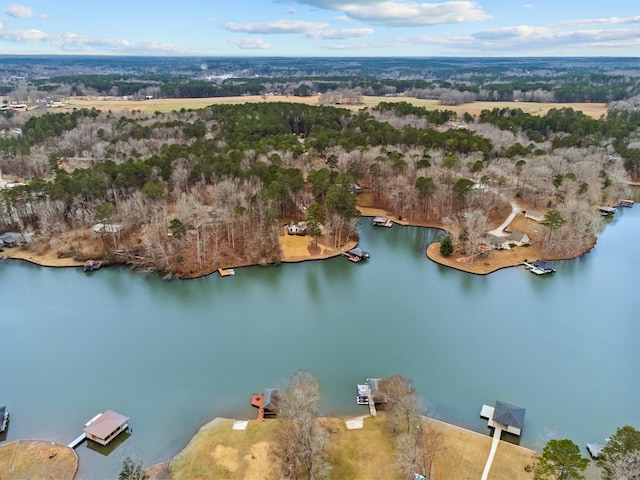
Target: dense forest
x=211, y=187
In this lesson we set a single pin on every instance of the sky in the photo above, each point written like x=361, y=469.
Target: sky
x=322, y=28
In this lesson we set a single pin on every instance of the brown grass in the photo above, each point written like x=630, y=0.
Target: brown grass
x=35, y=460
x=594, y=110
x=217, y=451
x=463, y=454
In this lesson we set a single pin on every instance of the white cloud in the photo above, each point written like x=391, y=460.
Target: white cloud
x=525, y=37
x=72, y=42
x=528, y=6
x=20, y=11
x=341, y=33
x=602, y=21
x=405, y=13
x=250, y=43
x=277, y=27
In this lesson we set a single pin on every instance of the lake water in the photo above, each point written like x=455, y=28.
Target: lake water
x=174, y=355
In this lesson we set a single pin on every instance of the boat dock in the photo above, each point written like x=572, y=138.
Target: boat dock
x=539, y=267
x=365, y=391
x=256, y=401
x=226, y=272
x=595, y=449
x=78, y=441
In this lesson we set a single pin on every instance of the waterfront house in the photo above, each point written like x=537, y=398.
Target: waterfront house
x=104, y=427
x=12, y=239
x=296, y=228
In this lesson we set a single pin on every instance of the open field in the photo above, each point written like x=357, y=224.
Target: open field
x=594, y=110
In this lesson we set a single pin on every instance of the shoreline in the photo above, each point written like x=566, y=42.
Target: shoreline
x=297, y=249
x=467, y=462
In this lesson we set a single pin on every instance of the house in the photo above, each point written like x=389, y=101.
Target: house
x=104, y=427
x=518, y=239
x=297, y=228
x=536, y=216
x=106, y=228
x=12, y=239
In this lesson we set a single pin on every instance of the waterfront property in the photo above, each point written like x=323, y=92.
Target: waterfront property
x=356, y=254
x=266, y=403
x=297, y=228
x=369, y=394
x=623, y=202
x=502, y=416
x=540, y=267
x=104, y=427
x=91, y=265
x=595, y=449
x=606, y=211
x=382, y=222
x=226, y=272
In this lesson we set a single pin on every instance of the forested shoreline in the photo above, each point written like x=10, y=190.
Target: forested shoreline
x=194, y=190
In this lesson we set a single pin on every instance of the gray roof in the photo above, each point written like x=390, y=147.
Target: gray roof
x=517, y=236
x=270, y=400
x=509, y=414
x=11, y=238
x=359, y=253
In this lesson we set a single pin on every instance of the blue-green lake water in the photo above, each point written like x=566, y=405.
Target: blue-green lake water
x=174, y=355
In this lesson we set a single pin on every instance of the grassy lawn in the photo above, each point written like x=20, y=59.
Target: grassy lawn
x=37, y=460
x=217, y=451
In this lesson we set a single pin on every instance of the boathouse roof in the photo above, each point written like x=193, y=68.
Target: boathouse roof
x=270, y=400
x=105, y=424
x=359, y=253
x=509, y=414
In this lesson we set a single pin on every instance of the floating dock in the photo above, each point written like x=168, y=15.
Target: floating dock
x=382, y=222
x=226, y=272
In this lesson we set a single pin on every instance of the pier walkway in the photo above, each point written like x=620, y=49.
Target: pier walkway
x=78, y=441
x=492, y=453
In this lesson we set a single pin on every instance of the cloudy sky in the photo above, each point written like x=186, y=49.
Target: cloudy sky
x=322, y=27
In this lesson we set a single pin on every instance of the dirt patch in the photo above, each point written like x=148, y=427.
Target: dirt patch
x=37, y=459
x=227, y=457
x=259, y=461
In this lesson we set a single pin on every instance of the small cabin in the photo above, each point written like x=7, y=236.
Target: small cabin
x=104, y=427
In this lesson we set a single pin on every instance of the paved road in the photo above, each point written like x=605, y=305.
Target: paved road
x=499, y=232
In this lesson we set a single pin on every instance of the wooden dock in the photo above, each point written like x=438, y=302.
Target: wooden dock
x=78, y=441
x=365, y=397
x=257, y=400
x=226, y=272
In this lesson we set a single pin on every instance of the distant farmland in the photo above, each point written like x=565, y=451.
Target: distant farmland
x=594, y=110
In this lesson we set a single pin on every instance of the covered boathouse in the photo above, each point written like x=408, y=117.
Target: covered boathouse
x=106, y=426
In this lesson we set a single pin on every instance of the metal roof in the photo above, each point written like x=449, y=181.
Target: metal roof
x=509, y=414
x=105, y=424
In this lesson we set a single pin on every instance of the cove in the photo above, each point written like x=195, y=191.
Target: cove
x=174, y=355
